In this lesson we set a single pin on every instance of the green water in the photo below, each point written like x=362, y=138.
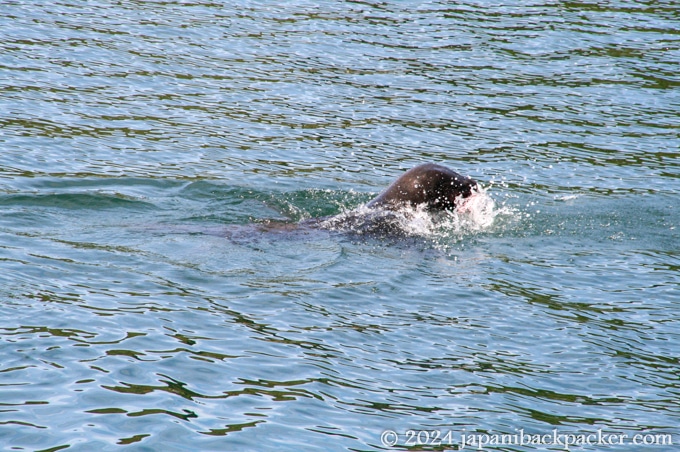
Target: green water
x=146, y=305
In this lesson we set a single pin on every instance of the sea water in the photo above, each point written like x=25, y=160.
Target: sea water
x=148, y=302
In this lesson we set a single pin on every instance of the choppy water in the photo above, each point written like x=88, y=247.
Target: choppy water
x=145, y=304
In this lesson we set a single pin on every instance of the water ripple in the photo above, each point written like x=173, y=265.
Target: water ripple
x=149, y=148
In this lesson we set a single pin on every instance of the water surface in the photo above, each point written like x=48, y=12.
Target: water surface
x=144, y=146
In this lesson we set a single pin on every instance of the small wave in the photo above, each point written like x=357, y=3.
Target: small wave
x=73, y=201
x=567, y=197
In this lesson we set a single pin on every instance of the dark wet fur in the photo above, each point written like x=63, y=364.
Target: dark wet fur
x=436, y=186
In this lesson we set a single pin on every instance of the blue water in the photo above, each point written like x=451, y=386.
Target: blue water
x=155, y=293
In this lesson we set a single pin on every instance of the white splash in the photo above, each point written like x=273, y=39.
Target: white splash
x=475, y=214
x=567, y=197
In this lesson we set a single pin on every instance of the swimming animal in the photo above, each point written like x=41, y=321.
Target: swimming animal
x=434, y=187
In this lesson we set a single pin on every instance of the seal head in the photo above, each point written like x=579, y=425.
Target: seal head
x=435, y=186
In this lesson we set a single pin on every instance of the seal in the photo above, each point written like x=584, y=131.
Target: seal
x=435, y=186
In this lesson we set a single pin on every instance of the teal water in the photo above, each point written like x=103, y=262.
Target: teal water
x=145, y=304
